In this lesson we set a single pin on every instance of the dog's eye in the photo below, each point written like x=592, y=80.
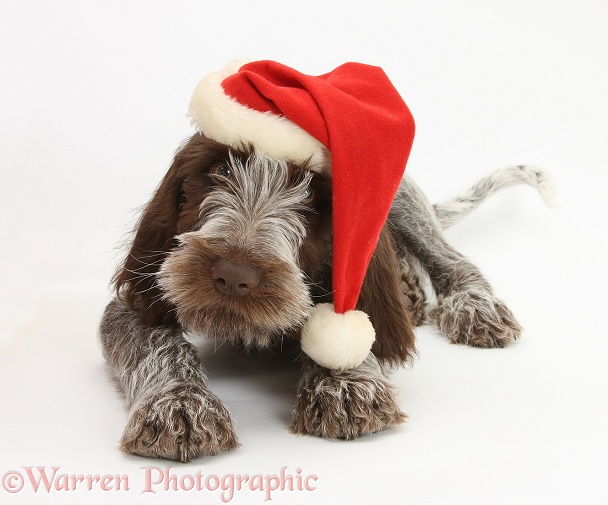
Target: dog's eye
x=308, y=197
x=222, y=170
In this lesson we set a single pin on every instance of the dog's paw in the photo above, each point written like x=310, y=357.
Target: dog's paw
x=345, y=404
x=181, y=423
x=475, y=318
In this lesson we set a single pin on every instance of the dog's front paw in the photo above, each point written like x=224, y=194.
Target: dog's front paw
x=475, y=318
x=345, y=404
x=180, y=423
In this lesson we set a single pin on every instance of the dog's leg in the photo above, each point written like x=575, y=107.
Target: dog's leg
x=410, y=270
x=344, y=403
x=467, y=311
x=172, y=414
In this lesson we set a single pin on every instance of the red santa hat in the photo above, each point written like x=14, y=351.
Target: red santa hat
x=355, y=113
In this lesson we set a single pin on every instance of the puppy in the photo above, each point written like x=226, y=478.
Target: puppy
x=237, y=246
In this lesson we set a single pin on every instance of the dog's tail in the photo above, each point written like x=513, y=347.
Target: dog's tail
x=452, y=211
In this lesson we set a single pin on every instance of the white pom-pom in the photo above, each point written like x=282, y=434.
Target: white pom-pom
x=337, y=341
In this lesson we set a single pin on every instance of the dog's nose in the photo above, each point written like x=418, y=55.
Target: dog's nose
x=232, y=278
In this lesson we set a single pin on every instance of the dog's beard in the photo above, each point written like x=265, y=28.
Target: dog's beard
x=279, y=304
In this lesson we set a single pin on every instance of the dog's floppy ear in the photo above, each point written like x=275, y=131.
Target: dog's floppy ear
x=382, y=299
x=135, y=281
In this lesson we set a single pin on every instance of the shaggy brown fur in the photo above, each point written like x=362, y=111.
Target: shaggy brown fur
x=165, y=286
x=218, y=206
x=390, y=316
x=175, y=210
x=345, y=403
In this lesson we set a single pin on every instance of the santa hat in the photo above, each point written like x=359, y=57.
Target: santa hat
x=355, y=113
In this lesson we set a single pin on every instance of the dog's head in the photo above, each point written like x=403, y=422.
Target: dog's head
x=238, y=246
x=230, y=244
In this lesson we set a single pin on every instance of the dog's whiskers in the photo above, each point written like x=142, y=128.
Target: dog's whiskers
x=143, y=291
x=216, y=347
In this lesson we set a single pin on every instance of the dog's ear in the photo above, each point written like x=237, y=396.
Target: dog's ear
x=382, y=299
x=135, y=281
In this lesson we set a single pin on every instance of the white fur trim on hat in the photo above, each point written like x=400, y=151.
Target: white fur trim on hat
x=225, y=120
x=337, y=341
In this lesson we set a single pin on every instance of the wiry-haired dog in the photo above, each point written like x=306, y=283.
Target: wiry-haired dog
x=237, y=246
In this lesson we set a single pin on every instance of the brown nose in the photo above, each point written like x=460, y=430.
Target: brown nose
x=232, y=278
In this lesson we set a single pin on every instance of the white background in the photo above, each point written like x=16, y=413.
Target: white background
x=92, y=106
